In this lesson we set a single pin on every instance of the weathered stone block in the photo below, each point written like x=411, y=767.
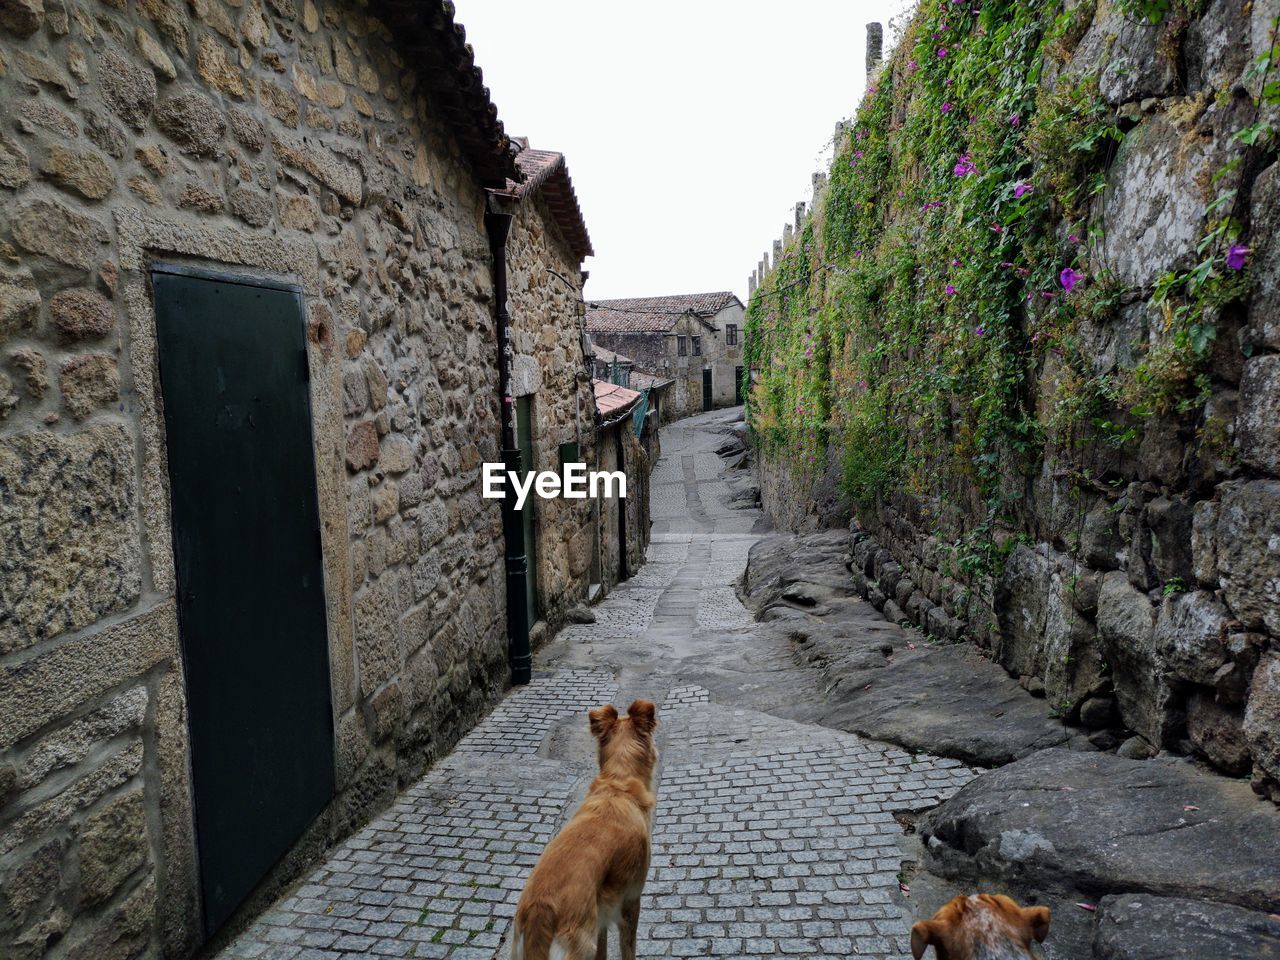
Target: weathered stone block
x=154, y=54
x=1189, y=635
x=192, y=121
x=113, y=845
x=1126, y=623
x=89, y=382
x=128, y=89
x=1258, y=416
x=1249, y=552
x=57, y=231
x=1264, y=258
x=252, y=206
x=342, y=178
x=19, y=303
x=15, y=168
x=80, y=171
x=22, y=18
x=71, y=544
x=377, y=648
x=123, y=931
x=216, y=70
x=1127, y=51
x=69, y=745
x=1218, y=733
x=1204, y=546
x=362, y=446
x=81, y=314
x=1154, y=206
x=397, y=453
x=1262, y=715
x=1170, y=523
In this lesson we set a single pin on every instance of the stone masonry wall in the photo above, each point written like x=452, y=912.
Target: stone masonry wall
x=284, y=138
x=1141, y=590
x=545, y=290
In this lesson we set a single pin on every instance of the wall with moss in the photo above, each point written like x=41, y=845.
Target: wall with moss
x=1027, y=338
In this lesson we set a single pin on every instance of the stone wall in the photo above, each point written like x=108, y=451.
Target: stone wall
x=285, y=139
x=1139, y=586
x=545, y=290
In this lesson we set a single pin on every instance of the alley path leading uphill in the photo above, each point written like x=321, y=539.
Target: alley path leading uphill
x=771, y=837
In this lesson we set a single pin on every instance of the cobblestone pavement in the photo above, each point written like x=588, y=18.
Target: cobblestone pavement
x=771, y=837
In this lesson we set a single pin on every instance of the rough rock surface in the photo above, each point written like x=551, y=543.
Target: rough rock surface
x=1141, y=927
x=1068, y=826
x=882, y=680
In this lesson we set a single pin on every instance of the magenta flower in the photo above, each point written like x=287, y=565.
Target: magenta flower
x=1236, y=257
x=946, y=108
x=1022, y=189
x=980, y=331
x=1015, y=119
x=1073, y=238
x=942, y=53
x=1069, y=278
x=912, y=66
x=955, y=263
x=951, y=290
x=964, y=166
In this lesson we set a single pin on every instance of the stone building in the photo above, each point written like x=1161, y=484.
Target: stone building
x=695, y=339
x=248, y=584
x=550, y=376
x=623, y=524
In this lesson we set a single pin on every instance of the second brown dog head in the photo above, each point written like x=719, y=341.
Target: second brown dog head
x=981, y=927
x=626, y=746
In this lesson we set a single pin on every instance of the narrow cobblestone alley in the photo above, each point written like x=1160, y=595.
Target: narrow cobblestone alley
x=771, y=838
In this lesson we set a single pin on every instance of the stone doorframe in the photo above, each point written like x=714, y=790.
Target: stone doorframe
x=144, y=239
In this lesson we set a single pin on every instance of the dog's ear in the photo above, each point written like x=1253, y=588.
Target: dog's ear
x=602, y=720
x=642, y=714
x=1035, y=920
x=921, y=937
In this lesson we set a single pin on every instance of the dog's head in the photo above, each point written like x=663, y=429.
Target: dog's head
x=981, y=927
x=626, y=742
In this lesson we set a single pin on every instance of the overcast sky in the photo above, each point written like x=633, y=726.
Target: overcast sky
x=691, y=127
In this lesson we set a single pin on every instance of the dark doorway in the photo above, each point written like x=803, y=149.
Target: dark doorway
x=246, y=541
x=737, y=386
x=706, y=389
x=524, y=439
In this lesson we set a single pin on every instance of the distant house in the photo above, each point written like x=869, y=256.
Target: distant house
x=695, y=339
x=611, y=367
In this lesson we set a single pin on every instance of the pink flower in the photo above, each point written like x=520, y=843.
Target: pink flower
x=980, y=331
x=1236, y=257
x=1015, y=119
x=1069, y=278
x=912, y=66
x=964, y=166
x=955, y=263
x=946, y=108
x=951, y=290
x=1072, y=238
x=942, y=53
x=1022, y=189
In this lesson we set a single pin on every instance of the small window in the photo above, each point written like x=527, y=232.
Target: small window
x=682, y=350
x=697, y=346
x=731, y=334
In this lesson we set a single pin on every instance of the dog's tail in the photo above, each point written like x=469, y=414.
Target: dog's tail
x=537, y=930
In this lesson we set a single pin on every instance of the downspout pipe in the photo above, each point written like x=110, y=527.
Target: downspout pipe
x=498, y=226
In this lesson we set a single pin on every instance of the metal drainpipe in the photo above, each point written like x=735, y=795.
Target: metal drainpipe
x=498, y=226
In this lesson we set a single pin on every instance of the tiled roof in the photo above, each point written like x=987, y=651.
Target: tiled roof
x=437, y=46
x=608, y=356
x=545, y=172
x=653, y=314
x=612, y=401
x=648, y=381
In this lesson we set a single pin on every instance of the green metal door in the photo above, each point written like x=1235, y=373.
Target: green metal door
x=524, y=439
x=707, y=403
x=246, y=543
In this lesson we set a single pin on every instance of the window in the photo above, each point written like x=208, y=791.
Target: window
x=731, y=334
x=697, y=346
x=681, y=349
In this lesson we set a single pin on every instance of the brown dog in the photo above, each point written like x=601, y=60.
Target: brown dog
x=981, y=927
x=590, y=876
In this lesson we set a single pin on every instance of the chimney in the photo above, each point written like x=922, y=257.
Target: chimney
x=875, y=46
x=799, y=217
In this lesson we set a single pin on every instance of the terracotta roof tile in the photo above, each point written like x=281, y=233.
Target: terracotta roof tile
x=612, y=400
x=545, y=172
x=653, y=314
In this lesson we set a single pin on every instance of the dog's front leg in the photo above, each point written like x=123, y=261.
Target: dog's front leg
x=630, y=920
x=602, y=944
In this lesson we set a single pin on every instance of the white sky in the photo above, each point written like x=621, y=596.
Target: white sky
x=691, y=127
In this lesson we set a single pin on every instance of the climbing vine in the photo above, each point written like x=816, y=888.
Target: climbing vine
x=951, y=270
